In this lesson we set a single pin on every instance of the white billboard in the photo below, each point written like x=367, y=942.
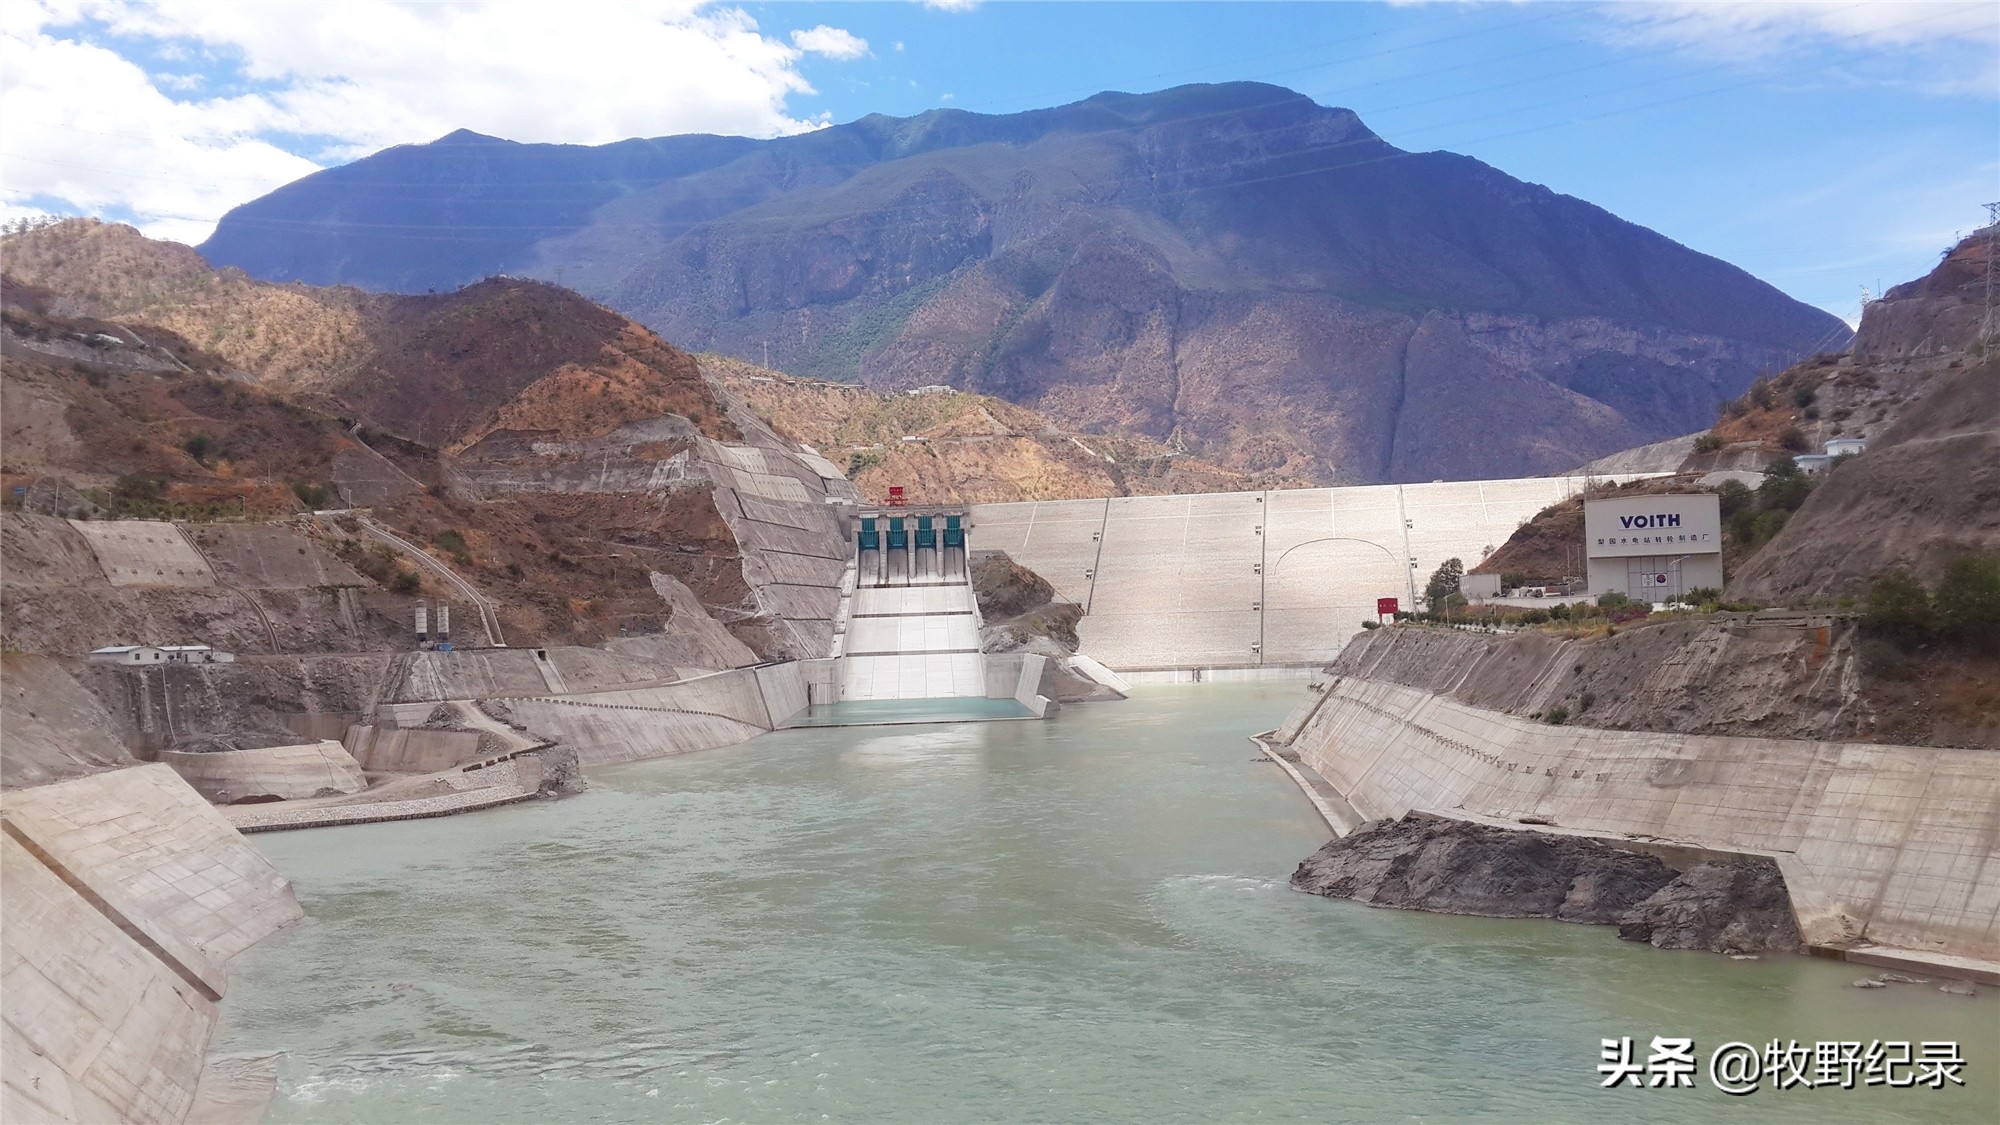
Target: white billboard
x=1679, y=524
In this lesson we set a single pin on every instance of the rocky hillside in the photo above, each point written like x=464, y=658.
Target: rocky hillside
x=575, y=469
x=1928, y=488
x=1723, y=674
x=943, y=445
x=1232, y=269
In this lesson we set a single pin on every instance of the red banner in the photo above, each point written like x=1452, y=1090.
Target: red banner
x=1384, y=606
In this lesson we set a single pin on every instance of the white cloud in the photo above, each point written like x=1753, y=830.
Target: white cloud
x=951, y=5
x=1941, y=49
x=1764, y=27
x=89, y=129
x=832, y=42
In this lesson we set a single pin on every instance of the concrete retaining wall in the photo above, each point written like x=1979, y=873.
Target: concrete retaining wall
x=287, y=772
x=1245, y=579
x=126, y=896
x=678, y=718
x=1023, y=677
x=1896, y=845
x=388, y=749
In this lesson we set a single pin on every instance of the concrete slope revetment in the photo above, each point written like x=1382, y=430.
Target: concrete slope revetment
x=127, y=894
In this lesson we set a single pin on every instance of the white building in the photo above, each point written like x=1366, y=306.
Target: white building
x=127, y=655
x=1845, y=446
x=1653, y=548
x=146, y=656
x=196, y=654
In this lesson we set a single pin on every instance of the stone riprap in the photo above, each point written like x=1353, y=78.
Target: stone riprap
x=1894, y=845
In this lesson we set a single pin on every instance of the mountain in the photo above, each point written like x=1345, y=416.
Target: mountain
x=579, y=471
x=1259, y=279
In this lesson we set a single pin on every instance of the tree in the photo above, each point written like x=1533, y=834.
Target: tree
x=1785, y=488
x=1444, y=583
x=1898, y=607
x=1735, y=497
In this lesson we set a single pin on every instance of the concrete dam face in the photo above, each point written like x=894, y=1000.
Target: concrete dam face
x=1252, y=579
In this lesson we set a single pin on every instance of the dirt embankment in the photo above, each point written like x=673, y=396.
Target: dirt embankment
x=1454, y=867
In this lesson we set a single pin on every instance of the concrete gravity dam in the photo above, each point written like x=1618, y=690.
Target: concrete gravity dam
x=1253, y=579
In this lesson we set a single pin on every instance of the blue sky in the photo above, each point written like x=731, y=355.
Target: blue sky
x=1822, y=146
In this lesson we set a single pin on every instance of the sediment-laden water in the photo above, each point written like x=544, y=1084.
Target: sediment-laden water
x=1083, y=919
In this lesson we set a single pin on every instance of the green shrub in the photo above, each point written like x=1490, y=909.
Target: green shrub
x=1884, y=660
x=311, y=495
x=1584, y=701
x=199, y=446
x=1898, y=608
x=1803, y=397
x=1708, y=443
x=452, y=543
x=1794, y=440
x=1967, y=604
x=405, y=582
x=1370, y=623
x=1557, y=716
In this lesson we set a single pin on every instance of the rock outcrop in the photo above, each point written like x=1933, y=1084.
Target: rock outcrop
x=1737, y=906
x=1457, y=867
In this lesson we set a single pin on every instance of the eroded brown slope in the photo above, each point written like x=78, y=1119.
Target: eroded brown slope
x=954, y=446
x=611, y=524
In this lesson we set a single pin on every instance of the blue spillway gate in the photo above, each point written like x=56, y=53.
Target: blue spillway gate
x=926, y=533
x=899, y=537
x=870, y=539
x=954, y=535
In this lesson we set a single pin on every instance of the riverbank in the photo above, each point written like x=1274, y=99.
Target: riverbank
x=1887, y=852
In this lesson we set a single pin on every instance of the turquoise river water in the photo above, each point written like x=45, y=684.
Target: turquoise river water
x=1079, y=919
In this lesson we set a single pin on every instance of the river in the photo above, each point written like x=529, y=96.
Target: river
x=1080, y=919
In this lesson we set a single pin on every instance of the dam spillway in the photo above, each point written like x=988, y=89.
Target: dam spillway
x=912, y=625
x=1250, y=580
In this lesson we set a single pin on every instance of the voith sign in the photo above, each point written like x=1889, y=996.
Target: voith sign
x=1679, y=524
